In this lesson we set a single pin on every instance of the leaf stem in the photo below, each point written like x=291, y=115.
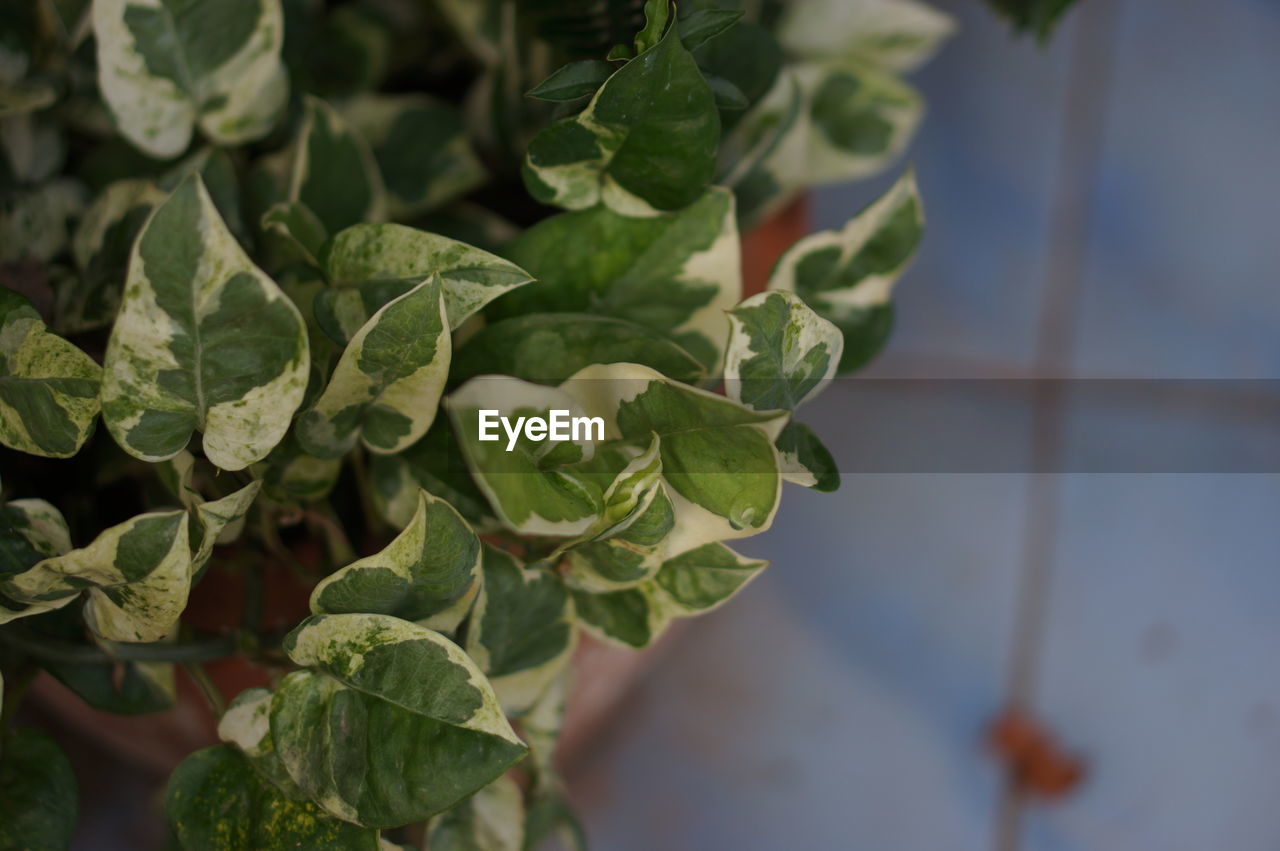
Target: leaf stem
x=57, y=650
x=201, y=678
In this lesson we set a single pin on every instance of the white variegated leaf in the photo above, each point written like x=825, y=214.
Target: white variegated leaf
x=33, y=222
x=371, y=264
x=165, y=66
x=781, y=353
x=137, y=575
x=334, y=174
x=386, y=387
x=30, y=531
x=804, y=460
x=48, y=387
x=523, y=632
x=408, y=705
x=429, y=573
x=490, y=820
x=204, y=340
x=897, y=35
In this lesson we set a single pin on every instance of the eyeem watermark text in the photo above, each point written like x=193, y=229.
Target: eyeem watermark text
x=560, y=425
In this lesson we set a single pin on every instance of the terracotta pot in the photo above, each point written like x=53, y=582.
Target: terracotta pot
x=159, y=741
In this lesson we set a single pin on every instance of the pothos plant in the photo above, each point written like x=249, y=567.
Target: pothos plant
x=289, y=251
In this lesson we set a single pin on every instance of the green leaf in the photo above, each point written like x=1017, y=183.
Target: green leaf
x=575, y=80
x=804, y=460
x=371, y=264
x=33, y=222
x=718, y=459
x=728, y=95
x=137, y=575
x=896, y=35
x=646, y=142
x=38, y=795
x=490, y=820
x=656, y=15
x=430, y=571
x=1038, y=16
x=421, y=148
x=387, y=385
x=523, y=632
x=164, y=66
x=334, y=173
x=702, y=25
x=48, y=387
x=618, y=617
x=547, y=348
x=675, y=274
x=291, y=475
x=702, y=579
x=204, y=340
x=215, y=801
x=299, y=230
x=394, y=723
x=781, y=353
x=101, y=247
x=847, y=276
x=433, y=464
x=529, y=486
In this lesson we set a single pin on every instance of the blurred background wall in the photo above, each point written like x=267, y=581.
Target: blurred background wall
x=1108, y=207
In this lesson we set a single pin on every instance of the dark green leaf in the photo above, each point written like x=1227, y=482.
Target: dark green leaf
x=38, y=795
x=573, y=81
x=702, y=25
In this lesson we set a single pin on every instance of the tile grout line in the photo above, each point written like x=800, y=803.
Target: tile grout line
x=1081, y=140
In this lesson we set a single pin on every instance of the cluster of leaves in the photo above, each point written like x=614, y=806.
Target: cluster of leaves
x=268, y=242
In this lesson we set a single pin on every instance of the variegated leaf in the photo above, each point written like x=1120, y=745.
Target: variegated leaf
x=718, y=458
x=386, y=387
x=34, y=222
x=847, y=276
x=334, y=173
x=781, y=353
x=291, y=475
x=400, y=701
x=860, y=119
x=48, y=387
x=31, y=530
x=434, y=464
x=804, y=460
x=204, y=340
x=216, y=521
x=371, y=264
x=547, y=348
x=490, y=820
x=530, y=484
x=165, y=65
x=523, y=632
x=673, y=274
x=645, y=143
x=298, y=229
x=897, y=35
x=421, y=148
x=627, y=617
x=216, y=801
x=38, y=808
x=137, y=575
x=101, y=247
x=429, y=573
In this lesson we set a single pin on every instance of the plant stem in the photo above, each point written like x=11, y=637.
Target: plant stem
x=57, y=650
x=15, y=689
x=211, y=693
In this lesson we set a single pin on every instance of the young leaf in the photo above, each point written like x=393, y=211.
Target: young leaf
x=433, y=464
x=421, y=148
x=38, y=795
x=403, y=703
x=523, y=631
x=162, y=67
x=298, y=228
x=137, y=574
x=219, y=521
x=530, y=487
x=375, y=263
x=718, y=458
x=547, y=348
x=291, y=475
x=781, y=353
x=216, y=801
x=575, y=80
x=673, y=274
x=31, y=530
x=628, y=553
x=430, y=568
x=490, y=820
x=847, y=276
x=646, y=142
x=656, y=15
x=48, y=387
x=204, y=340
x=334, y=173
x=804, y=460
x=618, y=617
x=387, y=385
x=896, y=35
